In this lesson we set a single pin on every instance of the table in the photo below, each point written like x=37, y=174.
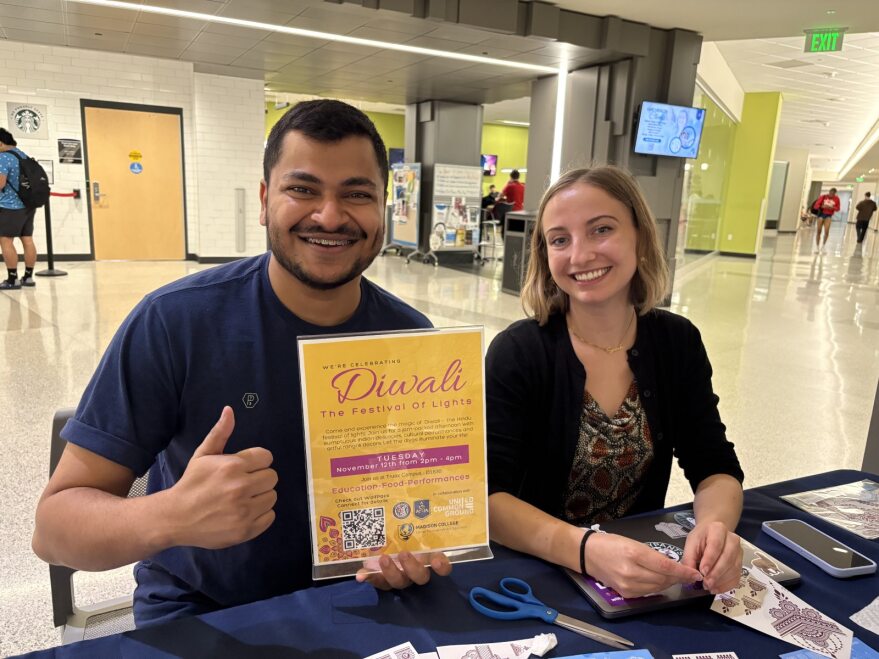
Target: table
x=349, y=620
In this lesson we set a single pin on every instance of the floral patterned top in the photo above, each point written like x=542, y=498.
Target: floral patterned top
x=611, y=458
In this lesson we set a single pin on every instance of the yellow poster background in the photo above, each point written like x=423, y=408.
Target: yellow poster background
x=395, y=439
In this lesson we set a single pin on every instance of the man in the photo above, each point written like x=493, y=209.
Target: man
x=489, y=199
x=16, y=221
x=226, y=519
x=825, y=207
x=514, y=192
x=866, y=207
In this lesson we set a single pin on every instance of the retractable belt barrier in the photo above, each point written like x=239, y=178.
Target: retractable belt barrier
x=50, y=257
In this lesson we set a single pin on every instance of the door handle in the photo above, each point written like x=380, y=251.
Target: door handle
x=96, y=192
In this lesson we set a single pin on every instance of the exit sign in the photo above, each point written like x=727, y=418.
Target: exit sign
x=824, y=41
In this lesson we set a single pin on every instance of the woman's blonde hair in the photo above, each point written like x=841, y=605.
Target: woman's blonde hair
x=541, y=297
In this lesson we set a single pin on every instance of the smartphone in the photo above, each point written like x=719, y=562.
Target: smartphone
x=816, y=546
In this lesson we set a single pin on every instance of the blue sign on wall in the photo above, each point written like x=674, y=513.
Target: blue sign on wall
x=135, y=167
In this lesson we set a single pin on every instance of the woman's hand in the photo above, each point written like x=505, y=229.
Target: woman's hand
x=632, y=568
x=717, y=553
x=413, y=570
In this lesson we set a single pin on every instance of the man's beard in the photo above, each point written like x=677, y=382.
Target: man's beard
x=296, y=269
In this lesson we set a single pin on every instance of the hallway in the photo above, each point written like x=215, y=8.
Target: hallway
x=793, y=338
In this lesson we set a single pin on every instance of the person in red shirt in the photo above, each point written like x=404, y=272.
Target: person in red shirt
x=824, y=208
x=514, y=192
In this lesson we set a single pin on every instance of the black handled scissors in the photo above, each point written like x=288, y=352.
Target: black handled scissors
x=519, y=603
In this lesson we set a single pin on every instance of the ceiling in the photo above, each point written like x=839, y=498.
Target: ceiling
x=830, y=100
x=840, y=89
x=296, y=64
x=738, y=19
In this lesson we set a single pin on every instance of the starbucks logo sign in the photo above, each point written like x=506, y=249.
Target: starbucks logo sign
x=27, y=120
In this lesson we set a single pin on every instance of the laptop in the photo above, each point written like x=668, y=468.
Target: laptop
x=667, y=533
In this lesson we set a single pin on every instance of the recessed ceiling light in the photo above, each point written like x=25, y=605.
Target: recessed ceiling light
x=831, y=12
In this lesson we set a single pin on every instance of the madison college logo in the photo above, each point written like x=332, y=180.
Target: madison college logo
x=27, y=119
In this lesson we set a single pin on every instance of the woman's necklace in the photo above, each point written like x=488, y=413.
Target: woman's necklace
x=609, y=350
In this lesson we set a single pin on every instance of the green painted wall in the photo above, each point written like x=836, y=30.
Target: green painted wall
x=390, y=126
x=706, y=177
x=741, y=226
x=510, y=144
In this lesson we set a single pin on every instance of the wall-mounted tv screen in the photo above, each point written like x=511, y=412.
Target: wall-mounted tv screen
x=669, y=130
x=489, y=165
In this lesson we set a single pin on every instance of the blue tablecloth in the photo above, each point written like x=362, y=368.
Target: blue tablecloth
x=350, y=620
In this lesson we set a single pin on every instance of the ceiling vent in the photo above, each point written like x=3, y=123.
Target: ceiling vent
x=789, y=64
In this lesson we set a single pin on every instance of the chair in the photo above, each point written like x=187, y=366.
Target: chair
x=500, y=213
x=488, y=236
x=103, y=618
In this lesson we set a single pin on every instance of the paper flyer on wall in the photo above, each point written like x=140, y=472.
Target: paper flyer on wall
x=395, y=446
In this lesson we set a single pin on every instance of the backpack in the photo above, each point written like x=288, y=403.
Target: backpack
x=813, y=208
x=33, y=183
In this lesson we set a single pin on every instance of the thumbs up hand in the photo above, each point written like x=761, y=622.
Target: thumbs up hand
x=223, y=500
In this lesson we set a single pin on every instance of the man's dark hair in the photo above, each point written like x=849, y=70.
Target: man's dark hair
x=867, y=195
x=832, y=190
x=514, y=175
x=324, y=120
x=6, y=138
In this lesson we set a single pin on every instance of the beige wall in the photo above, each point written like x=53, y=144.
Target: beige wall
x=715, y=76
x=796, y=187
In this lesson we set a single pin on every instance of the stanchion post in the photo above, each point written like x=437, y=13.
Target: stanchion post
x=51, y=271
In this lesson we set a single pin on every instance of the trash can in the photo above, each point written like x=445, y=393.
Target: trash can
x=517, y=247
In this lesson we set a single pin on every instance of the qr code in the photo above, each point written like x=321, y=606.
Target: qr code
x=363, y=529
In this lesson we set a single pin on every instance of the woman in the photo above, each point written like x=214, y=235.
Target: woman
x=567, y=450
x=825, y=207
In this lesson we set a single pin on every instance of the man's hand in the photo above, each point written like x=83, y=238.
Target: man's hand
x=717, y=553
x=414, y=570
x=632, y=568
x=223, y=500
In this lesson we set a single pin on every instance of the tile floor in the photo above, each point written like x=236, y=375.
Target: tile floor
x=793, y=337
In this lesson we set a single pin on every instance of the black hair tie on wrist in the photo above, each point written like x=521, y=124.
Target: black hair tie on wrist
x=583, y=551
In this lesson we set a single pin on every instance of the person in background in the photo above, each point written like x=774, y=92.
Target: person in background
x=866, y=207
x=825, y=206
x=225, y=520
x=489, y=199
x=590, y=398
x=514, y=192
x=16, y=221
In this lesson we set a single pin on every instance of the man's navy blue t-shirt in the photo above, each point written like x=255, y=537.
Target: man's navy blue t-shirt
x=216, y=338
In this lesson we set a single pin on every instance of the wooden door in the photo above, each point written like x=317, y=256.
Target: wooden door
x=135, y=174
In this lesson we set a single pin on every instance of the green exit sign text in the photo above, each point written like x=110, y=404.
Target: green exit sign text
x=824, y=41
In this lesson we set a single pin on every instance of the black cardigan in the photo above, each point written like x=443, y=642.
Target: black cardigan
x=534, y=398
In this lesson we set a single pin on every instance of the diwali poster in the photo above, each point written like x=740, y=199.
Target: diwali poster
x=395, y=445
